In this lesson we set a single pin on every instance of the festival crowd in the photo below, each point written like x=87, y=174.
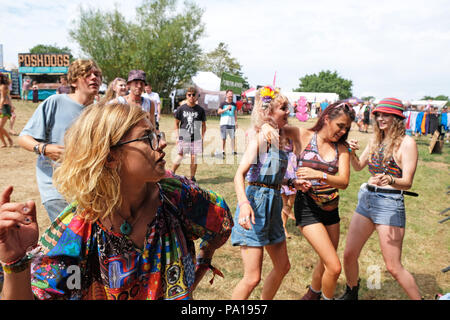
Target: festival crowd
x=123, y=225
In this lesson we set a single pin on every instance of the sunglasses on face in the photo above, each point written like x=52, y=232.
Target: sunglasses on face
x=191, y=94
x=153, y=139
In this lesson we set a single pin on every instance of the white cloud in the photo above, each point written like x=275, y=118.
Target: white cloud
x=397, y=48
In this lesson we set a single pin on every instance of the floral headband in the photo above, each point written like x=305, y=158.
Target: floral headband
x=267, y=95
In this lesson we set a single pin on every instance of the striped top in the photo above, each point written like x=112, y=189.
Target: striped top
x=376, y=166
x=324, y=195
x=311, y=158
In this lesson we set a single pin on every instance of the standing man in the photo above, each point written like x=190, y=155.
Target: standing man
x=190, y=125
x=154, y=97
x=228, y=121
x=44, y=132
x=136, y=83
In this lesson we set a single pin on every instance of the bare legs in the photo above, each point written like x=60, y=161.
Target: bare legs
x=391, y=241
x=193, y=165
x=286, y=212
x=4, y=133
x=252, y=258
x=324, y=240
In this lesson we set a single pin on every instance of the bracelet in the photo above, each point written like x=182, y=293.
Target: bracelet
x=243, y=202
x=290, y=183
x=43, y=149
x=18, y=265
x=36, y=148
x=392, y=180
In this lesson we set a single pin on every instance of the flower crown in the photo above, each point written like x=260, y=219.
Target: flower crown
x=267, y=95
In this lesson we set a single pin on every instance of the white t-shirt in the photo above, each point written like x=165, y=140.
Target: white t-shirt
x=154, y=97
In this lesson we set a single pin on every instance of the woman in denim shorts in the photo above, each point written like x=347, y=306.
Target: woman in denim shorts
x=257, y=222
x=392, y=160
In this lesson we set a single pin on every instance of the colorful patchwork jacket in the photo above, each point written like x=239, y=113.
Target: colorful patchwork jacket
x=79, y=259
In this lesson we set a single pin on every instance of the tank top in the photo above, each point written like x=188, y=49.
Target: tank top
x=376, y=166
x=324, y=195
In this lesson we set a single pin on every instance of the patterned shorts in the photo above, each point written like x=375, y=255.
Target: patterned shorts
x=188, y=147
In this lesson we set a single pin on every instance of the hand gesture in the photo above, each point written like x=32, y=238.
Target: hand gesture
x=353, y=144
x=309, y=173
x=302, y=185
x=270, y=133
x=246, y=216
x=18, y=227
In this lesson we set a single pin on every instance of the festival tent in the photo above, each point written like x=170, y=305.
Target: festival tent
x=435, y=103
x=207, y=81
x=312, y=96
x=208, y=89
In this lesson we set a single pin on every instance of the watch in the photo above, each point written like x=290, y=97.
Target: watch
x=36, y=149
x=325, y=176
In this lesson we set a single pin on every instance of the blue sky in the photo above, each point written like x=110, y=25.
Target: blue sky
x=388, y=48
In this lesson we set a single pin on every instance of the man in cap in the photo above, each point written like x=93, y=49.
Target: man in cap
x=136, y=83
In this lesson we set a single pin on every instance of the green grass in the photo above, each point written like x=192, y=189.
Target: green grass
x=426, y=247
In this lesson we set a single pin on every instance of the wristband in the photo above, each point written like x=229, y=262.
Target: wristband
x=324, y=176
x=43, y=149
x=392, y=181
x=36, y=149
x=18, y=265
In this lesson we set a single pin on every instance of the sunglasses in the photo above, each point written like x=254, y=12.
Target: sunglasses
x=153, y=139
x=191, y=94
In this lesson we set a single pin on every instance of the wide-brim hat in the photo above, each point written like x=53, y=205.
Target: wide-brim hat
x=136, y=75
x=391, y=106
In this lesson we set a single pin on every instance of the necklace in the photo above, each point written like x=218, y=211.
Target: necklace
x=125, y=228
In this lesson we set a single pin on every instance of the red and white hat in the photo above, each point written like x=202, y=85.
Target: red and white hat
x=390, y=105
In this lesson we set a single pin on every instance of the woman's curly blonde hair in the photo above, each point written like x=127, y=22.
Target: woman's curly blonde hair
x=262, y=111
x=83, y=175
x=391, y=140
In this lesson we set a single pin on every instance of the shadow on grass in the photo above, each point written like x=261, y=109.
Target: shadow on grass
x=390, y=289
x=216, y=180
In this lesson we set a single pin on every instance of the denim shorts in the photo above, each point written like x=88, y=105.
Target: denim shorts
x=381, y=208
x=227, y=130
x=268, y=228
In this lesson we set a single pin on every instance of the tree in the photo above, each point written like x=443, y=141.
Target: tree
x=326, y=81
x=44, y=48
x=159, y=41
x=440, y=98
x=220, y=60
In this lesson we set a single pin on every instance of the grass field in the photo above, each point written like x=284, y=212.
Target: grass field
x=426, y=248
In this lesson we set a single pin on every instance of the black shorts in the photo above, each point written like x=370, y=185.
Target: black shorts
x=308, y=212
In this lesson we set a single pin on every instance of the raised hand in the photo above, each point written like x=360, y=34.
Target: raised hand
x=18, y=227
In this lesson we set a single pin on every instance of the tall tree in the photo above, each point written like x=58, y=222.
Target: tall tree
x=159, y=41
x=46, y=48
x=220, y=60
x=326, y=81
